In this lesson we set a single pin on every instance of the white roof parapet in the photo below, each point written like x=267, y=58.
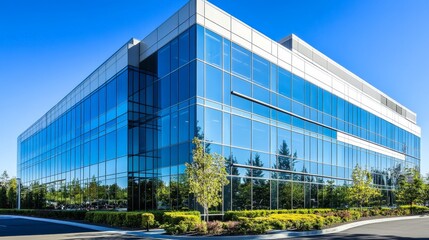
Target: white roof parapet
x=295, y=43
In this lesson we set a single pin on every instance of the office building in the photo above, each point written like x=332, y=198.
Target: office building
x=289, y=121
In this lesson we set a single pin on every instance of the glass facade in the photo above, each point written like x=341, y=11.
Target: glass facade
x=126, y=144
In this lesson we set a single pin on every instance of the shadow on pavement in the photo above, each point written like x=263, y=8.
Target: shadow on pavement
x=360, y=237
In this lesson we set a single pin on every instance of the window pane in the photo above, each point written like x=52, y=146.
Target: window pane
x=111, y=145
x=298, y=89
x=241, y=132
x=174, y=54
x=122, y=142
x=165, y=92
x=226, y=55
x=241, y=61
x=184, y=125
x=260, y=136
x=174, y=84
x=164, y=61
x=184, y=83
x=261, y=71
x=284, y=82
x=213, y=125
x=184, y=48
x=213, y=48
x=213, y=83
x=200, y=42
x=244, y=87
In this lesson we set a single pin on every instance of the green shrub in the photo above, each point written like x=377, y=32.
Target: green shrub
x=181, y=222
x=234, y=215
x=134, y=219
x=330, y=220
x=258, y=225
x=415, y=210
x=214, y=227
x=147, y=220
x=231, y=227
x=297, y=221
x=201, y=228
x=169, y=217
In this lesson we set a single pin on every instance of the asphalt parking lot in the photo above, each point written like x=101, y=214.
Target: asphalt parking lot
x=405, y=229
x=17, y=228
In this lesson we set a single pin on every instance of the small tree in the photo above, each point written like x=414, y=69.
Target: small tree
x=410, y=188
x=362, y=190
x=206, y=176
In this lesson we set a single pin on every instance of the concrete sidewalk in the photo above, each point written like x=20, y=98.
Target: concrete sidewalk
x=275, y=234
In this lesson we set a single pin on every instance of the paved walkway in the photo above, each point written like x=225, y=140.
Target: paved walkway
x=321, y=234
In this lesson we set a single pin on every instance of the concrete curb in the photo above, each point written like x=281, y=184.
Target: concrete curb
x=276, y=234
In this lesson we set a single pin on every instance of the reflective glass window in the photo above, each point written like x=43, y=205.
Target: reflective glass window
x=184, y=48
x=200, y=42
x=122, y=142
x=174, y=127
x=284, y=82
x=213, y=48
x=174, y=84
x=165, y=131
x=111, y=145
x=213, y=83
x=174, y=45
x=226, y=55
x=244, y=87
x=184, y=125
x=261, y=71
x=200, y=78
x=165, y=92
x=241, y=132
x=298, y=89
x=241, y=60
x=184, y=83
x=111, y=94
x=213, y=125
x=260, y=137
x=164, y=61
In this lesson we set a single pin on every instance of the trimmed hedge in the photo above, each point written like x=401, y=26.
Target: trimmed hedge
x=181, y=222
x=121, y=219
x=234, y=215
x=172, y=217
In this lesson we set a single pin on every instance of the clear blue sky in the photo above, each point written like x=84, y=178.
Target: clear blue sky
x=48, y=47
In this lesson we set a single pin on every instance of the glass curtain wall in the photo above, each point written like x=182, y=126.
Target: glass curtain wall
x=79, y=161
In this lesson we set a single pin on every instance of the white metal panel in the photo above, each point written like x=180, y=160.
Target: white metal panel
x=261, y=41
x=261, y=52
x=217, y=16
x=284, y=65
x=216, y=28
x=200, y=7
x=200, y=19
x=274, y=49
x=284, y=54
x=242, y=42
x=298, y=62
x=241, y=30
x=298, y=72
